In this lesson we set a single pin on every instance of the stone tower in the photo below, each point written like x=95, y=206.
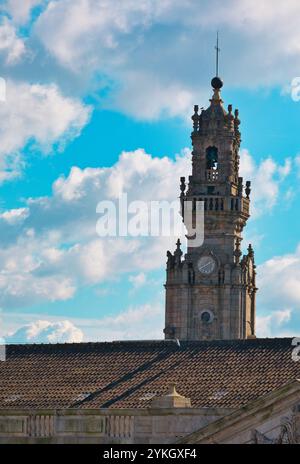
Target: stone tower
x=210, y=293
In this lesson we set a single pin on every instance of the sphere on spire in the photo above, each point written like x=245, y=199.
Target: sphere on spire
x=217, y=83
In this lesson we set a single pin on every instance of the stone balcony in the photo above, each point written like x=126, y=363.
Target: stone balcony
x=222, y=203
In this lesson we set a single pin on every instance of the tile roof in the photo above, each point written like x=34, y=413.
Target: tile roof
x=217, y=374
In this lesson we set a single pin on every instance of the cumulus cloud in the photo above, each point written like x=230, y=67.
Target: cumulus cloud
x=266, y=178
x=271, y=325
x=50, y=247
x=11, y=45
x=138, y=280
x=14, y=216
x=167, y=99
x=38, y=115
x=43, y=331
x=20, y=11
x=279, y=304
x=286, y=270
x=123, y=42
x=138, y=322
x=143, y=322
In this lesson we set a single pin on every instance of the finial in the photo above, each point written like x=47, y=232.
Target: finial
x=172, y=390
x=248, y=189
x=250, y=251
x=216, y=82
x=237, y=122
x=195, y=118
x=177, y=255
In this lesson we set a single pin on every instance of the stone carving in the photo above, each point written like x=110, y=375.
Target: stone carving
x=287, y=434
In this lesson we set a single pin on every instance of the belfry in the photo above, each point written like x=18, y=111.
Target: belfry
x=210, y=292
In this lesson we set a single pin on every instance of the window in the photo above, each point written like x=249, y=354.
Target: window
x=212, y=158
x=207, y=317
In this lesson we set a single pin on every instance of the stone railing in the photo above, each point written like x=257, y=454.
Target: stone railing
x=119, y=426
x=40, y=426
x=163, y=422
x=51, y=424
x=220, y=203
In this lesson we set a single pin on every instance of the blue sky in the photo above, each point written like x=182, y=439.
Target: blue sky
x=98, y=101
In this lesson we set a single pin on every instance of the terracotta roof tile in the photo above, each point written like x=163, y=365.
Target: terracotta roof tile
x=222, y=374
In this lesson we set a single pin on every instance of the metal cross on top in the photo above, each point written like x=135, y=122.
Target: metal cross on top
x=217, y=55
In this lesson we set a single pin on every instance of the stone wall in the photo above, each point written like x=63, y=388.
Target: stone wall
x=103, y=426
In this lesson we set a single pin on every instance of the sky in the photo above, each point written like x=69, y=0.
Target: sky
x=95, y=100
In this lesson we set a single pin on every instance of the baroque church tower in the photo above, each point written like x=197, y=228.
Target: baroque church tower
x=210, y=292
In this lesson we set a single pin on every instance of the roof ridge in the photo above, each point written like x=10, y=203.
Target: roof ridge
x=148, y=342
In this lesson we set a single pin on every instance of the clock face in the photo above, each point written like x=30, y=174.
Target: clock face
x=206, y=265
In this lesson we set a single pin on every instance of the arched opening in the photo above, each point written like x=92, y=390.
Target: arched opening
x=212, y=158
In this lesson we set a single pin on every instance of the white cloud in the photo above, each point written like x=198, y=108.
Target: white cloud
x=147, y=49
x=279, y=295
x=74, y=186
x=39, y=115
x=144, y=322
x=271, y=325
x=83, y=25
x=20, y=10
x=14, y=216
x=43, y=331
x=93, y=261
x=11, y=45
x=51, y=244
x=50, y=247
x=167, y=98
x=138, y=280
x=286, y=271
x=134, y=323
x=266, y=178
x=285, y=170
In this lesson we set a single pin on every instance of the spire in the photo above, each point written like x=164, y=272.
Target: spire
x=217, y=55
x=217, y=82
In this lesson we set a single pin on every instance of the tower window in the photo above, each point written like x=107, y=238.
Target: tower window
x=207, y=317
x=211, y=158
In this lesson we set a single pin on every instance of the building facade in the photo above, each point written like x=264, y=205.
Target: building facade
x=237, y=391
x=210, y=293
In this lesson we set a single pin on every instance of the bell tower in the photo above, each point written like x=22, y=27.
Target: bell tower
x=210, y=292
